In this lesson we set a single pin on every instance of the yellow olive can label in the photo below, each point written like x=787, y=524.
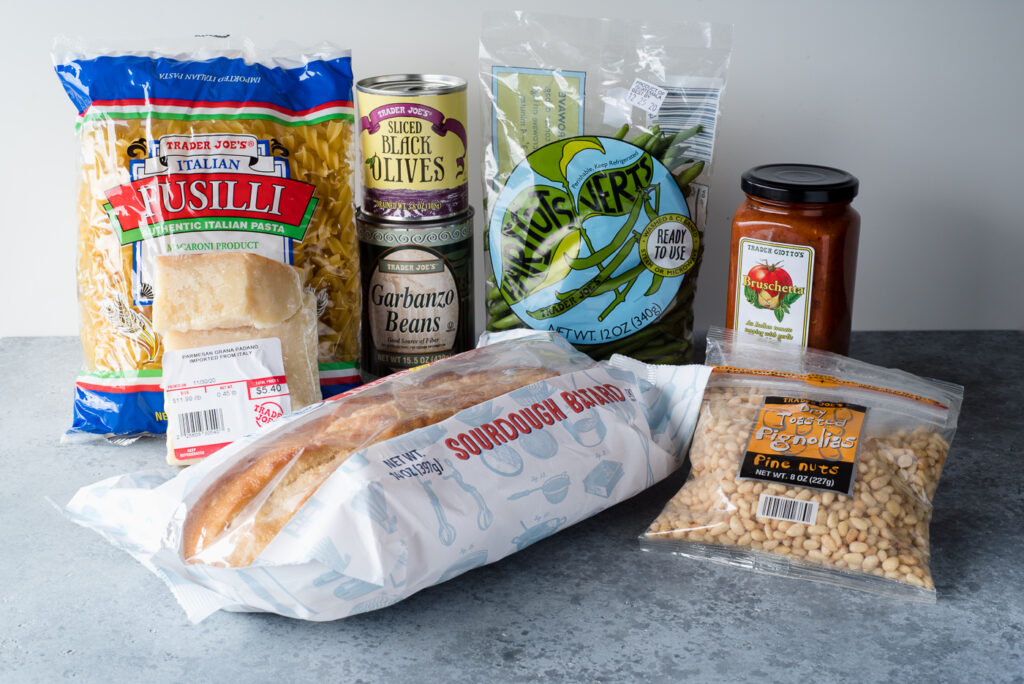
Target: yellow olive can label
x=805, y=443
x=413, y=154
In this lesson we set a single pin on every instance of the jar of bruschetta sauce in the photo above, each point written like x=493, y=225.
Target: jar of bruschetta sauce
x=794, y=256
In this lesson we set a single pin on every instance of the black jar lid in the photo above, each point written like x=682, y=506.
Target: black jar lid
x=799, y=183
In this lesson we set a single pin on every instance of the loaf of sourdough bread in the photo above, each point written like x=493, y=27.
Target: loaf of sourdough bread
x=235, y=518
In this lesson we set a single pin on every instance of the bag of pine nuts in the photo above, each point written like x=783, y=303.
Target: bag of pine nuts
x=812, y=465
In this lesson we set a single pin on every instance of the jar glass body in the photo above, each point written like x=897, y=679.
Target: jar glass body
x=822, y=239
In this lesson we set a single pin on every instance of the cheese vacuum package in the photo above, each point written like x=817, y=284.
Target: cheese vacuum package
x=207, y=153
x=597, y=166
x=812, y=465
x=357, y=502
x=239, y=336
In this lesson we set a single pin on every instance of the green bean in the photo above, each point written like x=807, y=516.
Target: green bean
x=662, y=346
x=614, y=283
x=621, y=133
x=640, y=140
x=620, y=346
x=630, y=348
x=684, y=178
x=506, y=323
x=687, y=134
x=676, y=352
x=619, y=298
x=654, y=141
x=689, y=286
x=661, y=146
x=602, y=275
x=643, y=343
x=656, y=282
x=499, y=309
x=598, y=257
x=672, y=157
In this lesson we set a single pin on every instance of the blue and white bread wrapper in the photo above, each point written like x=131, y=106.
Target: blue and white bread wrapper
x=428, y=505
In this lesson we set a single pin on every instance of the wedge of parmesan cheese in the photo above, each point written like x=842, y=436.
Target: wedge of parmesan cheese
x=223, y=290
x=206, y=300
x=298, y=347
x=298, y=337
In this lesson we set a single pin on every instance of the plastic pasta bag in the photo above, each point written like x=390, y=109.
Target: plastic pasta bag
x=359, y=502
x=596, y=169
x=205, y=152
x=812, y=465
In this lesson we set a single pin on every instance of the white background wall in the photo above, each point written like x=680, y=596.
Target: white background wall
x=920, y=99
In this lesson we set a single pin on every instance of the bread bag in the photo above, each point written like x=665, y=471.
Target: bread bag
x=356, y=503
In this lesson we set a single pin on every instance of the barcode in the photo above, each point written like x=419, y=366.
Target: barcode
x=206, y=422
x=685, y=107
x=792, y=510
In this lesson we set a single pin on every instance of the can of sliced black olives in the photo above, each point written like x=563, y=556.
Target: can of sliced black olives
x=417, y=297
x=412, y=135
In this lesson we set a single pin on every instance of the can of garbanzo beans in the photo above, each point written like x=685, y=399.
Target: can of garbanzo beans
x=413, y=146
x=417, y=296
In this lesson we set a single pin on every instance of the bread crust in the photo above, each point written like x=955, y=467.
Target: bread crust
x=244, y=509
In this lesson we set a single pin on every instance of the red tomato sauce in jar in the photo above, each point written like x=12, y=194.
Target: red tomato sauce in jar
x=794, y=256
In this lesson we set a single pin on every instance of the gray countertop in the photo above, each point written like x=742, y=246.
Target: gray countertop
x=584, y=605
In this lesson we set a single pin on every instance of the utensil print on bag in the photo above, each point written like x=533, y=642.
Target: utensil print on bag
x=484, y=516
x=686, y=390
x=503, y=460
x=201, y=573
x=327, y=578
x=375, y=603
x=351, y=588
x=263, y=594
x=588, y=432
x=659, y=403
x=401, y=567
x=372, y=503
x=539, y=444
x=602, y=479
x=326, y=552
x=646, y=448
x=554, y=488
x=473, y=560
x=417, y=438
x=531, y=394
x=537, y=532
x=479, y=414
x=445, y=533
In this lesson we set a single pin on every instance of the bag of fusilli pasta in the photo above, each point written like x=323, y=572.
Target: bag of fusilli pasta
x=205, y=153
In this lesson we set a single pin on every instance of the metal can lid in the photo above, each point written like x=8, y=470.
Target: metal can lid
x=411, y=84
x=402, y=224
x=799, y=183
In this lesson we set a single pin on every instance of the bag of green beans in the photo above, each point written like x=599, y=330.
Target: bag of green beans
x=596, y=169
